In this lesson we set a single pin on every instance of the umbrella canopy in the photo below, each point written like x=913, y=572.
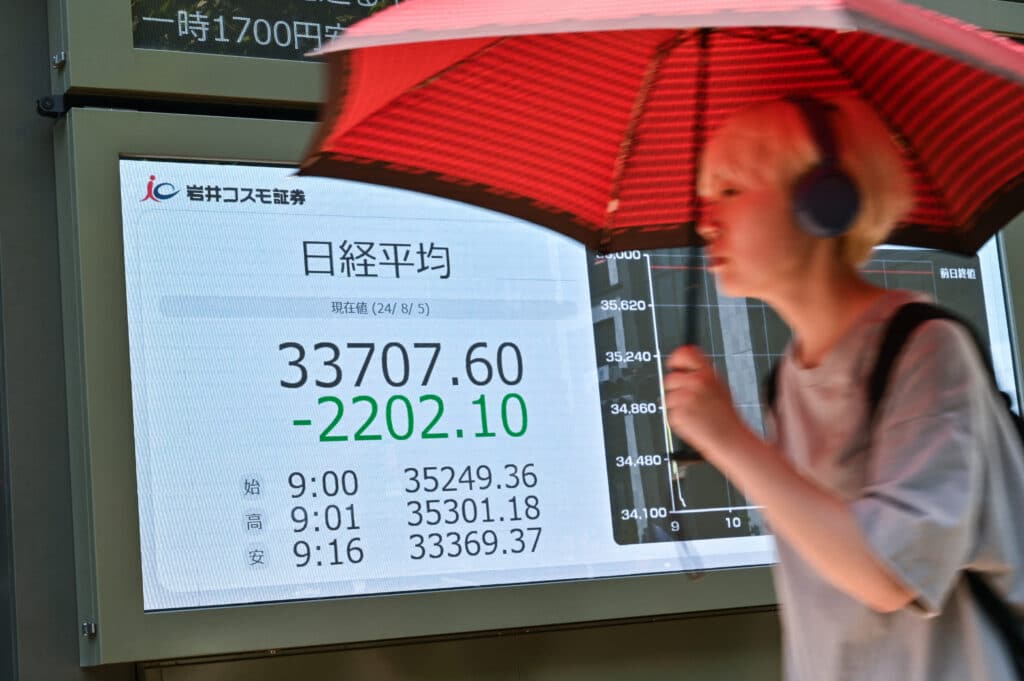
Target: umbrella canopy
x=589, y=116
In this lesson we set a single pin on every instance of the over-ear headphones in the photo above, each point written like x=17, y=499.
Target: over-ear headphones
x=825, y=198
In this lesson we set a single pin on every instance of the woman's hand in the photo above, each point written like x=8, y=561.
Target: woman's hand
x=815, y=520
x=698, y=405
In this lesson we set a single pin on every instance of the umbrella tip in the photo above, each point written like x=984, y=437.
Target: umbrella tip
x=309, y=162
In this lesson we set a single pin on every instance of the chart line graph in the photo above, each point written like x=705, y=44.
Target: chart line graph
x=640, y=304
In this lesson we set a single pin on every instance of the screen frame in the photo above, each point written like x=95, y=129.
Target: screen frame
x=89, y=145
x=99, y=58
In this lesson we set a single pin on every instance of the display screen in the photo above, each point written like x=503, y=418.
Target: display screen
x=341, y=389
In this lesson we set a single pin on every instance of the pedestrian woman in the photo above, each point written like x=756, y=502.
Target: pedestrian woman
x=876, y=517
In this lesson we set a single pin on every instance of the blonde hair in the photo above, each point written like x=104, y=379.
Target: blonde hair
x=770, y=142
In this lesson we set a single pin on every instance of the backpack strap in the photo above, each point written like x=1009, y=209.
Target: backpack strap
x=901, y=326
x=769, y=387
x=1001, y=616
x=899, y=329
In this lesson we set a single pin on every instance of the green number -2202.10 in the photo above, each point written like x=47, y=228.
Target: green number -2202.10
x=400, y=420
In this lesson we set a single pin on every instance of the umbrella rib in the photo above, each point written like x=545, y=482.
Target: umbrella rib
x=663, y=50
x=454, y=65
x=904, y=139
x=694, y=277
x=445, y=71
x=700, y=110
x=335, y=110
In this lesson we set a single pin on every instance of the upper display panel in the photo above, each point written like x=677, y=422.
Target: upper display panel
x=245, y=28
x=238, y=52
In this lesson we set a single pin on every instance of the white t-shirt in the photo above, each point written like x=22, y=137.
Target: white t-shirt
x=937, y=486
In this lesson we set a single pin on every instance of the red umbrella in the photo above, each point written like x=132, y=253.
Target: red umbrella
x=588, y=116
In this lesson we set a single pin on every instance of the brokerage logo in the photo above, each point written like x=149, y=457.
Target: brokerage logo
x=158, y=192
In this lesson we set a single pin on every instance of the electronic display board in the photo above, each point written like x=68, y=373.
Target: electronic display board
x=161, y=449
x=306, y=411
x=340, y=388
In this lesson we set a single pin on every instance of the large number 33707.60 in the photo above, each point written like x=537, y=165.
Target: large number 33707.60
x=481, y=367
